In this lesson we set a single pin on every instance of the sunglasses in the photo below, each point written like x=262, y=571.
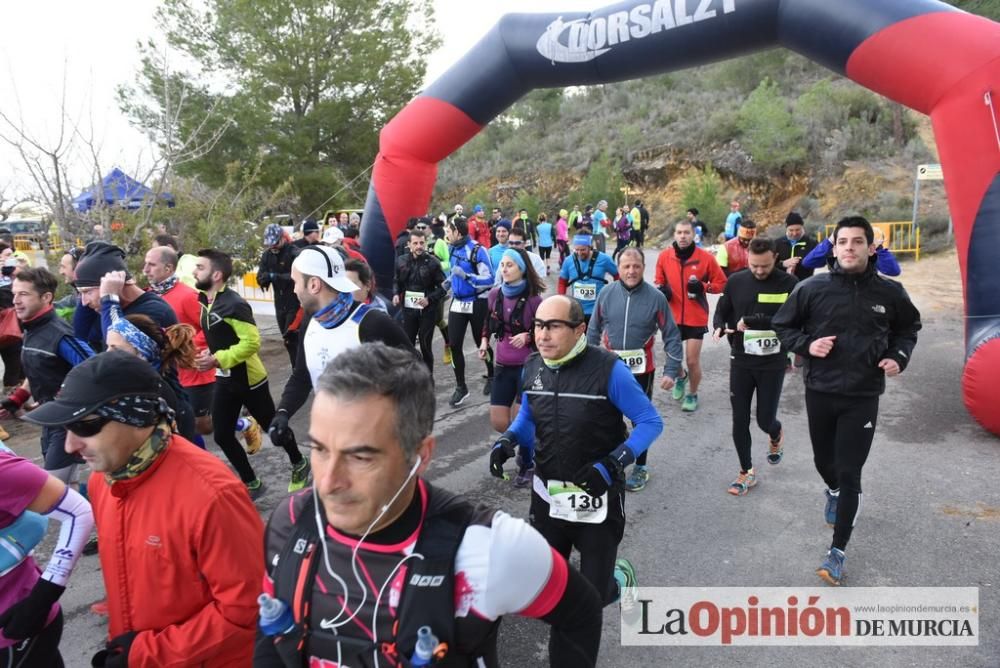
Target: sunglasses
x=556, y=325
x=516, y=243
x=90, y=427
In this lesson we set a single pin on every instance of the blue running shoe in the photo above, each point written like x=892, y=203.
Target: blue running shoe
x=832, y=568
x=627, y=583
x=831, y=506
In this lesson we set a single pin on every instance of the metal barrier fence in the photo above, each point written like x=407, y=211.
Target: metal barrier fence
x=898, y=236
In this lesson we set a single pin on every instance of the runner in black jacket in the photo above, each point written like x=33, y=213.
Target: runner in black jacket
x=275, y=271
x=854, y=327
x=419, y=290
x=744, y=313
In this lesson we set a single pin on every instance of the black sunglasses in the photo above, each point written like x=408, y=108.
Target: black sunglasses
x=89, y=427
x=555, y=325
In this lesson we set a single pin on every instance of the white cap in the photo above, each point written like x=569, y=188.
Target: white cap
x=326, y=264
x=333, y=235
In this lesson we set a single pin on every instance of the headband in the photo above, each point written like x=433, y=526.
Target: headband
x=516, y=258
x=583, y=240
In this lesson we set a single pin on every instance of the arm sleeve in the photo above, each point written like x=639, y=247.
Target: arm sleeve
x=787, y=322
x=378, y=326
x=576, y=623
x=523, y=426
x=672, y=344
x=299, y=383
x=84, y=318
x=661, y=274
x=723, y=311
x=816, y=258
x=886, y=262
x=905, y=325
x=247, y=347
x=73, y=350
x=231, y=531
x=77, y=521
x=397, y=281
x=624, y=392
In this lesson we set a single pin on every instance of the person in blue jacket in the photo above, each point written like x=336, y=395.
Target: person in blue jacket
x=585, y=273
x=885, y=261
x=471, y=280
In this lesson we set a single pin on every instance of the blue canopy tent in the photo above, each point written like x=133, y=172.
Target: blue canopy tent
x=118, y=188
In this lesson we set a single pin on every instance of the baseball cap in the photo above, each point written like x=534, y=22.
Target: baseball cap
x=94, y=382
x=326, y=264
x=310, y=226
x=333, y=235
x=272, y=234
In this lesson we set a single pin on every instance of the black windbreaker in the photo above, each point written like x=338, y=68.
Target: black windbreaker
x=872, y=318
x=755, y=302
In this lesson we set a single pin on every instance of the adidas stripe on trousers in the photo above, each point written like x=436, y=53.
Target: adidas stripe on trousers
x=841, y=428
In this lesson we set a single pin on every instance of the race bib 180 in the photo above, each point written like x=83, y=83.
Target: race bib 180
x=635, y=360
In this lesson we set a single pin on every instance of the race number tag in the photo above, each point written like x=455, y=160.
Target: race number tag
x=761, y=342
x=570, y=503
x=410, y=299
x=635, y=360
x=585, y=292
x=222, y=373
x=461, y=307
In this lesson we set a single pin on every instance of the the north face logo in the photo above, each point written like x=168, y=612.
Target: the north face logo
x=878, y=308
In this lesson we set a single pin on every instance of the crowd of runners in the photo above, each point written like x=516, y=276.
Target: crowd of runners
x=371, y=564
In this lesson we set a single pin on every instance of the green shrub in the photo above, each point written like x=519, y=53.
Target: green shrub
x=769, y=133
x=704, y=191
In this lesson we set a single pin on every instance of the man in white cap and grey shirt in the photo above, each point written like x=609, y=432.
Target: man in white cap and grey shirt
x=334, y=323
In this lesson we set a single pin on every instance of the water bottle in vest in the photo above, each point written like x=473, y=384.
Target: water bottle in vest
x=275, y=616
x=423, y=653
x=692, y=281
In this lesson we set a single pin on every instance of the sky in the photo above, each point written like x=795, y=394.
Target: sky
x=92, y=45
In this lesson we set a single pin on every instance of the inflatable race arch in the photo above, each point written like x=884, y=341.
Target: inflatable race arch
x=924, y=54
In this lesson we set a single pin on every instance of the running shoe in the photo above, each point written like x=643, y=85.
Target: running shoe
x=460, y=394
x=300, y=475
x=830, y=512
x=744, y=481
x=446, y=358
x=255, y=488
x=252, y=436
x=638, y=478
x=679, y=385
x=775, y=451
x=627, y=583
x=488, y=387
x=690, y=404
x=524, y=474
x=832, y=568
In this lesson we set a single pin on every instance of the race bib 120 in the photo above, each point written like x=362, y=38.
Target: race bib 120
x=410, y=299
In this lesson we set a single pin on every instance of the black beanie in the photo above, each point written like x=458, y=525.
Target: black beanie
x=99, y=257
x=793, y=218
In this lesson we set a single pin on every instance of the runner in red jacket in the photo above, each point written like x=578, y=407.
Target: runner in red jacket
x=685, y=273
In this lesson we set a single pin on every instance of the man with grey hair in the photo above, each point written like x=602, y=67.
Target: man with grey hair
x=371, y=437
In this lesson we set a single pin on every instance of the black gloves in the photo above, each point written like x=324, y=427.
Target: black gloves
x=115, y=654
x=667, y=291
x=607, y=472
x=503, y=450
x=695, y=287
x=27, y=617
x=280, y=432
